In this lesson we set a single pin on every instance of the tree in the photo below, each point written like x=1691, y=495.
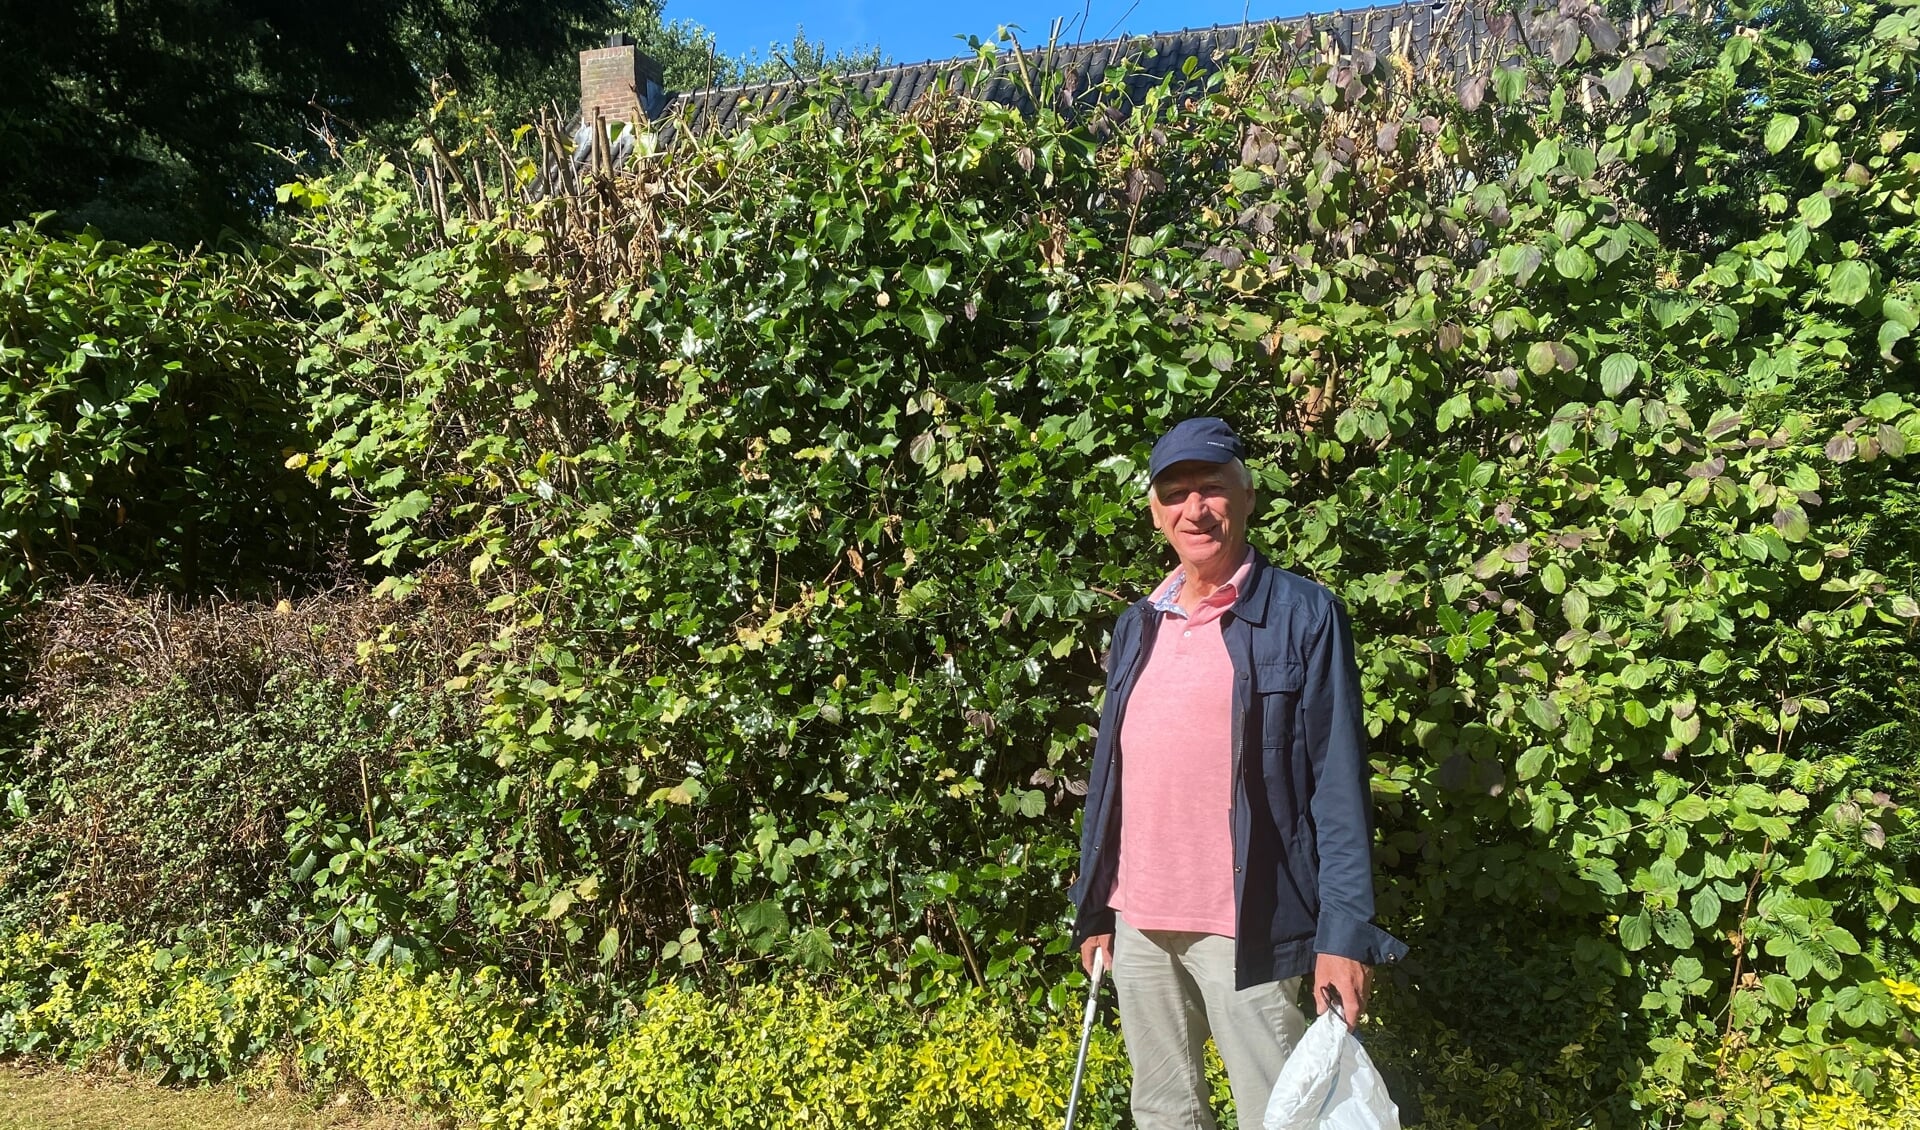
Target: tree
x=688, y=56
x=174, y=118
x=807, y=58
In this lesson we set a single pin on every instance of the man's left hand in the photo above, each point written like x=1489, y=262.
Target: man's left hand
x=1347, y=977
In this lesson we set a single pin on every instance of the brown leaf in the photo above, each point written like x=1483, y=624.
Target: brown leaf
x=1606, y=38
x=1566, y=43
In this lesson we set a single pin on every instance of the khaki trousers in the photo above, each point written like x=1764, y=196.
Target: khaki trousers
x=1176, y=989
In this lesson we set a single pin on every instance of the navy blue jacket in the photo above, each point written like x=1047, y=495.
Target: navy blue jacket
x=1302, y=808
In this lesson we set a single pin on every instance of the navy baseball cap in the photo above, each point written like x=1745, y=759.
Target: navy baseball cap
x=1203, y=439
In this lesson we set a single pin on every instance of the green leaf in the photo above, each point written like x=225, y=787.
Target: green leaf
x=1574, y=263
x=1668, y=516
x=1542, y=713
x=1886, y=406
x=1705, y=908
x=1815, y=210
x=1891, y=334
x=1850, y=281
x=1691, y=809
x=1792, y=522
x=1780, y=132
x=1509, y=84
x=1781, y=992
x=1574, y=607
x=1617, y=374
x=813, y=948
x=1673, y=928
x=927, y=322
x=1531, y=762
x=1519, y=261
x=764, y=923
x=928, y=279
x=408, y=508
x=1636, y=931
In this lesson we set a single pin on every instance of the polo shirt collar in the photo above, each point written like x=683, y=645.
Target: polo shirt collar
x=1166, y=597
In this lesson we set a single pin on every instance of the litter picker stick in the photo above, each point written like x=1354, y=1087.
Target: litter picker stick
x=1086, y=1034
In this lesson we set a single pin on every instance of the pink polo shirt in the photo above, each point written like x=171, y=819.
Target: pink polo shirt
x=1176, y=767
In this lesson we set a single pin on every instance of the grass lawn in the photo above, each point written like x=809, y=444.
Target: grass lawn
x=53, y=1098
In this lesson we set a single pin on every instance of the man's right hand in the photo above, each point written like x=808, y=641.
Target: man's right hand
x=1097, y=942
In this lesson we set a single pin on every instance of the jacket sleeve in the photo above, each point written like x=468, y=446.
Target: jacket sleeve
x=1342, y=802
x=1092, y=915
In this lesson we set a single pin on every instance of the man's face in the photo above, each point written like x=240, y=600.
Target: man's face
x=1203, y=511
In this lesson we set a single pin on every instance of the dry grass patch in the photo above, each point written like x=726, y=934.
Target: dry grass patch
x=36, y=1098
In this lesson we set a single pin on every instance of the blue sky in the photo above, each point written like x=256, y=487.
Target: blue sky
x=912, y=30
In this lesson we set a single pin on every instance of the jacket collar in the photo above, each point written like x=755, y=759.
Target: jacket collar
x=1252, y=605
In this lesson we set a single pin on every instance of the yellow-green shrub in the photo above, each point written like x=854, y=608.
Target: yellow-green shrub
x=1896, y=1103
x=785, y=1055
x=766, y=1056
x=781, y=1056
x=189, y=1011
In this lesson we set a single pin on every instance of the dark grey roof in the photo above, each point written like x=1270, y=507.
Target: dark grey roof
x=1426, y=34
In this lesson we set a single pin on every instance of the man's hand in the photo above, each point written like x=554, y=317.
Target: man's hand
x=1097, y=942
x=1347, y=977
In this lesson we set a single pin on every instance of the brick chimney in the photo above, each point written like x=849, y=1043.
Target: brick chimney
x=618, y=84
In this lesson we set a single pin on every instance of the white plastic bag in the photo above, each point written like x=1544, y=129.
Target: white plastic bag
x=1328, y=1083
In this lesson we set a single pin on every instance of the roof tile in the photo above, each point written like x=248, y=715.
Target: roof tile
x=1415, y=29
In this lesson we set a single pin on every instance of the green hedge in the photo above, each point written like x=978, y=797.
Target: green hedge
x=800, y=470
x=1585, y=386
x=147, y=407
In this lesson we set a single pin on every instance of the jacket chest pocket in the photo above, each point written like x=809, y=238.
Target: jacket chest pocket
x=1276, y=692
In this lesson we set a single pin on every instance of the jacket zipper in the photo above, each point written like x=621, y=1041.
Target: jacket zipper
x=1238, y=720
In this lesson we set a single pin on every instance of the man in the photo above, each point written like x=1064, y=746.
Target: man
x=1226, y=850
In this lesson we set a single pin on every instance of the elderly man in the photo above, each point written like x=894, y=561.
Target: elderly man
x=1226, y=850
